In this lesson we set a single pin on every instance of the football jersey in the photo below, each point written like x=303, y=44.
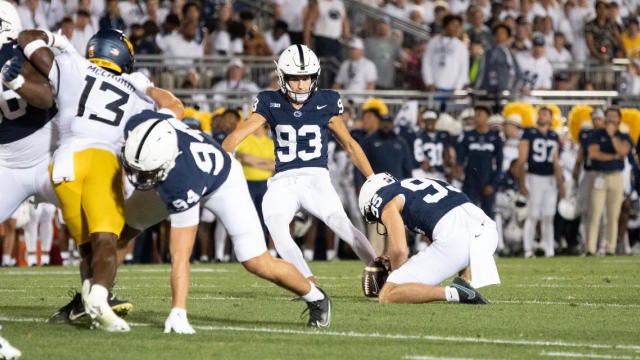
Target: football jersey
x=19, y=120
x=426, y=201
x=94, y=103
x=200, y=169
x=481, y=156
x=541, y=150
x=431, y=146
x=301, y=135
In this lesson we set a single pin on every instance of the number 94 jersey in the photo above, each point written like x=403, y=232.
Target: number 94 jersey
x=94, y=104
x=200, y=169
x=426, y=201
x=301, y=135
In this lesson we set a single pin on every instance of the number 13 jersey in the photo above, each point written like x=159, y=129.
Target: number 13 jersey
x=301, y=135
x=94, y=104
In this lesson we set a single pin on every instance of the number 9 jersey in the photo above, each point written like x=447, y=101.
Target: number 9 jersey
x=301, y=135
x=94, y=103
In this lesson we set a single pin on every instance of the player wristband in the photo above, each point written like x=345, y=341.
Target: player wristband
x=32, y=47
x=16, y=83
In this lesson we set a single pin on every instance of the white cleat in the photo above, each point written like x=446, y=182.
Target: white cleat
x=102, y=316
x=8, y=352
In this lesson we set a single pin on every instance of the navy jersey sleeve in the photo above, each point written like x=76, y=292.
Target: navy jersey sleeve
x=261, y=104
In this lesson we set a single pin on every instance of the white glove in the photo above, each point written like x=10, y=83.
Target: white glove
x=139, y=81
x=178, y=322
x=57, y=40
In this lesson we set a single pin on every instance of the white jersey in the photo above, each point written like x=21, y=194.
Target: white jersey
x=537, y=73
x=94, y=104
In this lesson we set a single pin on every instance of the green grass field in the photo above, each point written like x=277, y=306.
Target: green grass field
x=545, y=308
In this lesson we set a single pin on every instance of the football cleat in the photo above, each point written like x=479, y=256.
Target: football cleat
x=319, y=312
x=74, y=310
x=102, y=317
x=8, y=352
x=466, y=292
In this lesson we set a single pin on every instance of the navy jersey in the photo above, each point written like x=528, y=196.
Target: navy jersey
x=481, y=155
x=426, y=201
x=583, y=139
x=431, y=146
x=17, y=118
x=200, y=169
x=541, y=150
x=219, y=136
x=388, y=152
x=602, y=139
x=301, y=135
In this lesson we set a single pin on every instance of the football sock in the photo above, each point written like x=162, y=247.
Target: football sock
x=451, y=294
x=313, y=295
x=45, y=259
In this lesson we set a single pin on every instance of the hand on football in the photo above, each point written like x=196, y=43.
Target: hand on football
x=178, y=322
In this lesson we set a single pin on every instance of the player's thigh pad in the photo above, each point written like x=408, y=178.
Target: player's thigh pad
x=281, y=198
x=232, y=204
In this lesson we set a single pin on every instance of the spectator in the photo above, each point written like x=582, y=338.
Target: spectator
x=234, y=82
x=499, y=69
x=607, y=150
x=561, y=60
x=254, y=41
x=327, y=21
x=67, y=26
x=112, y=19
x=32, y=16
x=578, y=17
x=154, y=12
x=545, y=8
x=413, y=70
x=357, y=73
x=445, y=63
x=477, y=29
x=631, y=39
x=630, y=83
x=132, y=11
x=397, y=8
x=476, y=52
x=537, y=73
x=53, y=11
x=440, y=11
x=384, y=52
x=522, y=38
x=602, y=38
x=180, y=48
x=83, y=31
x=143, y=38
x=170, y=25
x=292, y=12
x=564, y=26
x=538, y=159
x=479, y=157
x=278, y=38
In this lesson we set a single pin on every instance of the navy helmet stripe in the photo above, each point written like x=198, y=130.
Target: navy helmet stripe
x=301, y=56
x=144, y=138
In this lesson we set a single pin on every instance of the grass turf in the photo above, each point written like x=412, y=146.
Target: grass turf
x=545, y=308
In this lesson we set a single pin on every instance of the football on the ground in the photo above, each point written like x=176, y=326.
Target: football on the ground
x=373, y=278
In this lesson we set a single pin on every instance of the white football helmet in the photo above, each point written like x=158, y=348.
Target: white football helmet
x=512, y=234
x=150, y=153
x=568, y=208
x=10, y=24
x=298, y=60
x=369, y=188
x=302, y=221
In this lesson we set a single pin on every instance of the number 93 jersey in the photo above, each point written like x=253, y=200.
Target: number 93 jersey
x=426, y=201
x=94, y=103
x=301, y=135
x=200, y=169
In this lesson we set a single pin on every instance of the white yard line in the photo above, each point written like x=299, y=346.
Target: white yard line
x=584, y=356
x=342, y=334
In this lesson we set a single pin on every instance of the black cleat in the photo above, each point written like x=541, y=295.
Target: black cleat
x=319, y=312
x=466, y=292
x=74, y=310
x=120, y=307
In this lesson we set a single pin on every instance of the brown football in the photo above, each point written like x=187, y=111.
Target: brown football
x=373, y=278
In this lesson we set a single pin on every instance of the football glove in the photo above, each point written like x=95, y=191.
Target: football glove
x=12, y=72
x=178, y=322
x=139, y=82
